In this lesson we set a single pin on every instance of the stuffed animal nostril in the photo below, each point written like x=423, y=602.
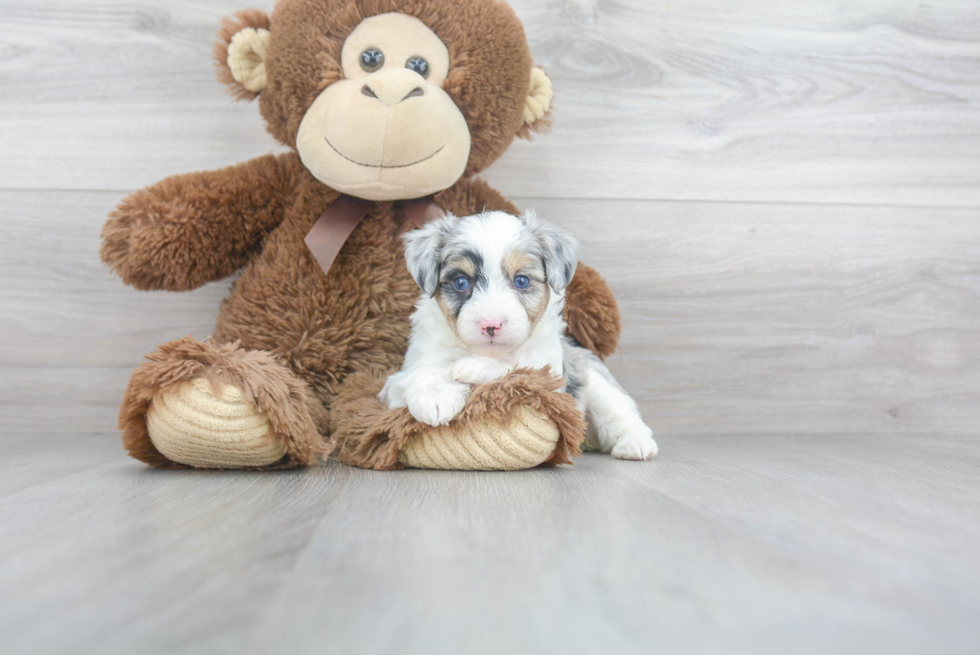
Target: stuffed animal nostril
x=414, y=93
x=369, y=92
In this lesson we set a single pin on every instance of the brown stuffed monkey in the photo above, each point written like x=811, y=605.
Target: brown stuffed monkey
x=381, y=102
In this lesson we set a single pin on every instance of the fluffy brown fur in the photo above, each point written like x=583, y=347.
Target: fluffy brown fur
x=297, y=331
x=254, y=18
x=188, y=230
x=592, y=313
x=371, y=435
x=296, y=419
x=490, y=63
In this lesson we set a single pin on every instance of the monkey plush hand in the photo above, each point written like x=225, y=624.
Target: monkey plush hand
x=381, y=102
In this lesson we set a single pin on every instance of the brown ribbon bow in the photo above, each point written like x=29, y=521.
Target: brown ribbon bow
x=331, y=231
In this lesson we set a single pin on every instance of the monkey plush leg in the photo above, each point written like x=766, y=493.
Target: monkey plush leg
x=204, y=406
x=517, y=422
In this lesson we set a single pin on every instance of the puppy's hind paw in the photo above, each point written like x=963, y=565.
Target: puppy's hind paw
x=638, y=446
x=437, y=404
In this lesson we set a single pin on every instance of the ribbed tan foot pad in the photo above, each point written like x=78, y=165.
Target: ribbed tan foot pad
x=193, y=427
x=526, y=442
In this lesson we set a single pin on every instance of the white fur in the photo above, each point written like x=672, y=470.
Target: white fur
x=442, y=363
x=440, y=367
x=614, y=422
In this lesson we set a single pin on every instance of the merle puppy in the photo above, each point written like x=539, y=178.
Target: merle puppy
x=492, y=298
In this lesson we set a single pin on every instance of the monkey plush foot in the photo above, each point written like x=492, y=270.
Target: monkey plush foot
x=194, y=404
x=517, y=422
x=526, y=441
x=204, y=427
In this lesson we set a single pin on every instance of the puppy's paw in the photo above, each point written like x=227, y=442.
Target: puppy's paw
x=393, y=393
x=635, y=445
x=437, y=404
x=478, y=370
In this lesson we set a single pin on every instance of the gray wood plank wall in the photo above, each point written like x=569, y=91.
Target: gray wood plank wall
x=785, y=197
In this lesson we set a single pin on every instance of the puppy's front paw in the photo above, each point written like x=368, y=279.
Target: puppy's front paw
x=478, y=370
x=635, y=445
x=393, y=393
x=437, y=404
x=387, y=395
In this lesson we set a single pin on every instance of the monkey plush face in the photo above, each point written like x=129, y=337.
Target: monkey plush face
x=387, y=130
x=388, y=99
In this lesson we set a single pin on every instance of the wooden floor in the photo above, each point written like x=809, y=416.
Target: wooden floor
x=785, y=197
x=783, y=544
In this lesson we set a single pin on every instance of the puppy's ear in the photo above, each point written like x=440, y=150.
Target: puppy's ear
x=560, y=250
x=422, y=251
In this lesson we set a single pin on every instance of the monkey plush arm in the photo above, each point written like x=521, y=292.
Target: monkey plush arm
x=591, y=312
x=590, y=307
x=188, y=230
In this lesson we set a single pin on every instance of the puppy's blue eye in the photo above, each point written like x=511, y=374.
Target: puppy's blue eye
x=461, y=283
x=521, y=281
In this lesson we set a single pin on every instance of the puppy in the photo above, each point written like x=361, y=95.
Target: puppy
x=492, y=299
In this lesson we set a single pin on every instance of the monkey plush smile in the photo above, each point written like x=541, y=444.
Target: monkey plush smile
x=387, y=130
x=381, y=165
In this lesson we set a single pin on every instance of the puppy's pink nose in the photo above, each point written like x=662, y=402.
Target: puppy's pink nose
x=490, y=327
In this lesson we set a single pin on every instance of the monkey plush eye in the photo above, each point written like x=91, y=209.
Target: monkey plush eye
x=372, y=59
x=521, y=281
x=418, y=65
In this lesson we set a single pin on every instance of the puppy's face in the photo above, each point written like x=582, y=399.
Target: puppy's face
x=491, y=274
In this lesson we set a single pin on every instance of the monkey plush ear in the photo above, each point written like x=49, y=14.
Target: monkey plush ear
x=240, y=51
x=537, y=105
